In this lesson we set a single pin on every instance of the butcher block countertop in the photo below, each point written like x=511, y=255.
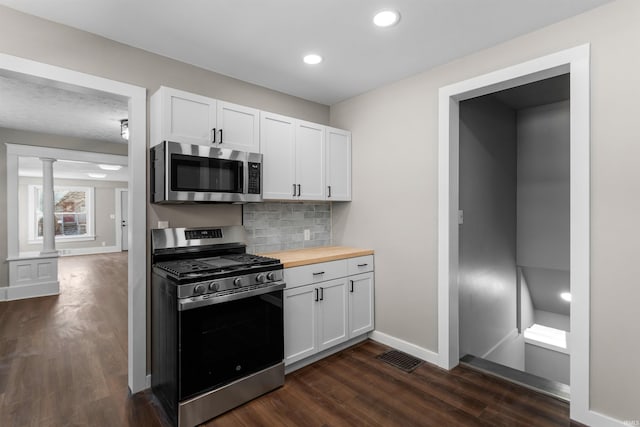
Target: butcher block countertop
x=298, y=257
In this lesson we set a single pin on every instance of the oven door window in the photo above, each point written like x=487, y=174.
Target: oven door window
x=223, y=342
x=194, y=173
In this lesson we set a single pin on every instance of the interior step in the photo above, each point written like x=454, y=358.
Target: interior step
x=533, y=382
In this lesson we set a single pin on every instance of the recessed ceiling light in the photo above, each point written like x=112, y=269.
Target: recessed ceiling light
x=566, y=296
x=110, y=167
x=312, y=59
x=97, y=175
x=386, y=18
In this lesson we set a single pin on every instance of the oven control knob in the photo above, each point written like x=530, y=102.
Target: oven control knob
x=271, y=276
x=237, y=282
x=198, y=289
x=260, y=278
x=213, y=286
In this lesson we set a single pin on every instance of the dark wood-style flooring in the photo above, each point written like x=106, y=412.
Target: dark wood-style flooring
x=63, y=362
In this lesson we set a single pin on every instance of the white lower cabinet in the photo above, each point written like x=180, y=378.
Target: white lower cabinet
x=323, y=314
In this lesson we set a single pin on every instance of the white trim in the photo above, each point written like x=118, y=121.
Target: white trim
x=65, y=154
x=118, y=213
x=32, y=291
x=3, y=293
x=512, y=334
x=137, y=155
x=75, y=251
x=407, y=347
x=576, y=61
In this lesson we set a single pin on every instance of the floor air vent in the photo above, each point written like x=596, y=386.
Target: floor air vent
x=400, y=360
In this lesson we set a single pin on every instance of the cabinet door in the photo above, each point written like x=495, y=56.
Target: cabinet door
x=332, y=314
x=310, y=159
x=338, y=165
x=277, y=138
x=360, y=304
x=300, y=326
x=239, y=127
x=188, y=118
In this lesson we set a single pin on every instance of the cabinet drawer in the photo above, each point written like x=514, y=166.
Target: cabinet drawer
x=361, y=264
x=313, y=273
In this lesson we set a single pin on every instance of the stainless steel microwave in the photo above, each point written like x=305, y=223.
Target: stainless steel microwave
x=186, y=173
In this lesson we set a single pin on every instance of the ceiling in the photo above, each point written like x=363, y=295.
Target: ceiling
x=263, y=41
x=67, y=169
x=40, y=105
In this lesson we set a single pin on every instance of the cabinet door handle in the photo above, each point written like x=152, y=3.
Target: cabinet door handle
x=316, y=291
x=321, y=294
x=329, y=187
x=213, y=131
x=318, y=273
x=351, y=284
x=220, y=136
x=294, y=190
x=363, y=265
x=299, y=186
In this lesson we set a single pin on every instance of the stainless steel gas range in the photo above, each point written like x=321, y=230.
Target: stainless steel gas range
x=217, y=322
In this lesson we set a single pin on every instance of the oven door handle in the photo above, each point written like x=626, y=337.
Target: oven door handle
x=202, y=301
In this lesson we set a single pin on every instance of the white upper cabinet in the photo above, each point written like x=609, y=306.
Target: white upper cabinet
x=277, y=143
x=338, y=165
x=310, y=146
x=293, y=158
x=185, y=117
x=238, y=127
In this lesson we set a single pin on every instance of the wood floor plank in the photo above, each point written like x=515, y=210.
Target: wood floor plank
x=63, y=362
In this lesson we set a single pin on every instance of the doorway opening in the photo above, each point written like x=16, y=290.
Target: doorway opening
x=575, y=63
x=136, y=281
x=513, y=269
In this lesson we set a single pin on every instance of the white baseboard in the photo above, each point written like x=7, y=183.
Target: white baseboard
x=407, y=347
x=3, y=293
x=78, y=251
x=31, y=291
x=512, y=334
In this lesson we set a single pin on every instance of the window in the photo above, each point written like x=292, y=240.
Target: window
x=73, y=211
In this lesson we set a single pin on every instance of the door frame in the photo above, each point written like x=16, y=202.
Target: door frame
x=118, y=204
x=576, y=62
x=137, y=155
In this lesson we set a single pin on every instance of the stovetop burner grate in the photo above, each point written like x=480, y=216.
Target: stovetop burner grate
x=211, y=265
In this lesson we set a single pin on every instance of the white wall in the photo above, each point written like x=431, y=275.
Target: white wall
x=546, y=363
x=394, y=208
x=487, y=267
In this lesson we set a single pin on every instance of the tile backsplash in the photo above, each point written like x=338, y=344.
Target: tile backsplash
x=277, y=226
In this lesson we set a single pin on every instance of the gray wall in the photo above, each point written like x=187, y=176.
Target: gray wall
x=487, y=269
x=552, y=320
x=278, y=226
x=395, y=197
x=547, y=363
x=104, y=206
x=543, y=187
x=527, y=311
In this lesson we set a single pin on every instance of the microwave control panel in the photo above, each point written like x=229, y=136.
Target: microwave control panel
x=254, y=178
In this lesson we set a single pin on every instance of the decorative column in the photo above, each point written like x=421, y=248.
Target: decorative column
x=48, y=218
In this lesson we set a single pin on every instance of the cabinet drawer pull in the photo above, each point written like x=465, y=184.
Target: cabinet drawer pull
x=351, y=282
x=363, y=265
x=213, y=131
x=318, y=273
